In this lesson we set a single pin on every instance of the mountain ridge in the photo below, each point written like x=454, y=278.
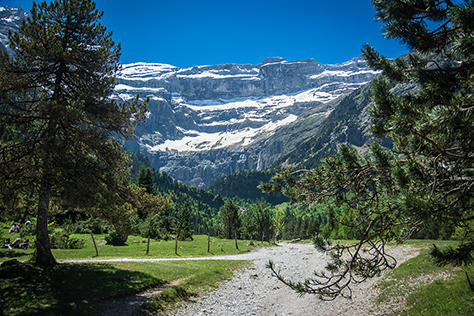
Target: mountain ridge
x=208, y=121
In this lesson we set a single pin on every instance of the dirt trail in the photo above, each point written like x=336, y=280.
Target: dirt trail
x=254, y=291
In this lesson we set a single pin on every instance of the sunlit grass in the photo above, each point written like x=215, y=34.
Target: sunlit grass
x=426, y=289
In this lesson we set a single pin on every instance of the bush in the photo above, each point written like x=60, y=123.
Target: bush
x=152, y=227
x=61, y=240
x=92, y=224
x=115, y=239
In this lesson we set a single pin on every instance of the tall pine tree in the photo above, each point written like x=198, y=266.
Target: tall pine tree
x=424, y=102
x=55, y=96
x=230, y=218
x=183, y=226
x=145, y=180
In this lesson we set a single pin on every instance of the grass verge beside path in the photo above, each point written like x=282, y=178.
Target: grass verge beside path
x=136, y=248
x=71, y=289
x=418, y=287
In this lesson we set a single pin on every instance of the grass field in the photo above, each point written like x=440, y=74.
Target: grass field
x=70, y=289
x=136, y=248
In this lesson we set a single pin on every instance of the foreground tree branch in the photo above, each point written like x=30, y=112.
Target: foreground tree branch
x=428, y=178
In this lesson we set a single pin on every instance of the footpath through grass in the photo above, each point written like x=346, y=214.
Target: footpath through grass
x=72, y=289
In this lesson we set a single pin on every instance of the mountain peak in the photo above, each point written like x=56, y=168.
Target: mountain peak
x=10, y=20
x=270, y=60
x=208, y=121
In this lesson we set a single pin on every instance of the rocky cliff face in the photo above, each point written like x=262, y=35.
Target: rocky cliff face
x=208, y=121
x=10, y=20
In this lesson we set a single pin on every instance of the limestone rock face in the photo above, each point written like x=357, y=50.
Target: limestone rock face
x=10, y=20
x=208, y=121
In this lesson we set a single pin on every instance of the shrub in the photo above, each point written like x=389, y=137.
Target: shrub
x=115, y=239
x=152, y=227
x=92, y=224
x=61, y=240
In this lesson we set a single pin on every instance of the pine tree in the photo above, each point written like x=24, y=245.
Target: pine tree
x=145, y=180
x=424, y=102
x=279, y=221
x=183, y=225
x=432, y=128
x=262, y=215
x=230, y=219
x=55, y=95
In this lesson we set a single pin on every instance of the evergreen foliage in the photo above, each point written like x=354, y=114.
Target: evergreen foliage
x=257, y=221
x=145, y=180
x=429, y=180
x=183, y=225
x=204, y=204
x=54, y=100
x=244, y=185
x=230, y=215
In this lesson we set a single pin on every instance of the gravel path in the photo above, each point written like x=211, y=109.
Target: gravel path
x=253, y=291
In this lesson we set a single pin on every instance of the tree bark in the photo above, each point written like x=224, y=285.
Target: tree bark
x=176, y=245
x=236, y=244
x=148, y=245
x=43, y=256
x=208, y=243
x=95, y=245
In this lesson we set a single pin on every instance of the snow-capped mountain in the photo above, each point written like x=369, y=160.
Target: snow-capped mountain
x=208, y=121
x=10, y=20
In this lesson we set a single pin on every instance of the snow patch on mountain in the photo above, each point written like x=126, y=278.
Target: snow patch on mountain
x=10, y=20
x=201, y=141
x=214, y=107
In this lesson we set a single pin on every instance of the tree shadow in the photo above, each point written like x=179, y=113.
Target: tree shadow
x=10, y=253
x=67, y=289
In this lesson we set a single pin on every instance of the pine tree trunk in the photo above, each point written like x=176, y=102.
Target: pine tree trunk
x=148, y=245
x=176, y=245
x=43, y=255
x=95, y=245
x=236, y=244
x=208, y=243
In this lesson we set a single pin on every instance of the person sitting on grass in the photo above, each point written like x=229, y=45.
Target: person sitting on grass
x=14, y=229
x=24, y=245
x=16, y=243
x=7, y=244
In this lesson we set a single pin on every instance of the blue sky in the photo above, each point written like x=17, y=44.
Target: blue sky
x=186, y=33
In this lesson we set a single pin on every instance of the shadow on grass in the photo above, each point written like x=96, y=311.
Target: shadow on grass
x=7, y=253
x=67, y=289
